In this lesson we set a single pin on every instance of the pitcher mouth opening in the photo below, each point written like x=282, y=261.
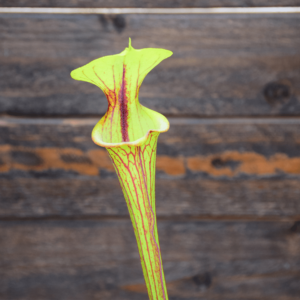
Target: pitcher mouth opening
x=120, y=76
x=162, y=125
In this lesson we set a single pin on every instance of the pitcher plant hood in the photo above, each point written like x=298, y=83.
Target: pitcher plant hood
x=120, y=77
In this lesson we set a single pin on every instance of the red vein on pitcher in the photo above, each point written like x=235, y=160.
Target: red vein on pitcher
x=135, y=161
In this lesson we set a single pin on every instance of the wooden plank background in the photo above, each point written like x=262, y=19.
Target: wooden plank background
x=228, y=170
x=62, y=259
x=226, y=160
x=223, y=65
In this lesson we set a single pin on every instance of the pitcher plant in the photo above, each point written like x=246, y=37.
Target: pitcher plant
x=129, y=132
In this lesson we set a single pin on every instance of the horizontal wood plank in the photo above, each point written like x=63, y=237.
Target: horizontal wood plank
x=223, y=148
x=217, y=148
x=223, y=65
x=205, y=168
x=147, y=3
x=92, y=260
x=266, y=199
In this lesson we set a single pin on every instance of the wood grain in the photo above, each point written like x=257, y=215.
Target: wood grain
x=223, y=148
x=147, y=3
x=231, y=168
x=229, y=65
x=249, y=199
x=92, y=260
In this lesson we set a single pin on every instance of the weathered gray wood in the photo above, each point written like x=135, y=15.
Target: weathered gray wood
x=205, y=168
x=147, y=3
x=223, y=148
x=91, y=260
x=223, y=65
x=194, y=198
x=186, y=137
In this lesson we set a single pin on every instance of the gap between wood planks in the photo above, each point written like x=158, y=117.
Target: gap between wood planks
x=214, y=10
x=92, y=117
x=203, y=218
x=85, y=120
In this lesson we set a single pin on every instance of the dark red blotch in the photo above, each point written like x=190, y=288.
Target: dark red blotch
x=123, y=100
